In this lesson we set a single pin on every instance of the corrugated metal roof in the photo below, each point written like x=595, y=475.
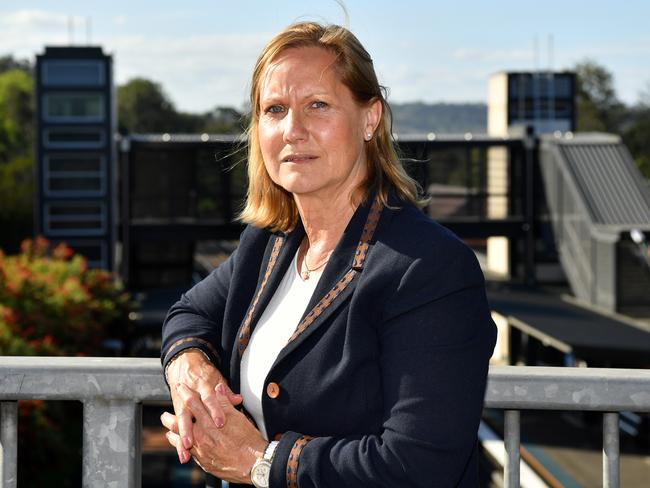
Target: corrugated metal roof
x=612, y=186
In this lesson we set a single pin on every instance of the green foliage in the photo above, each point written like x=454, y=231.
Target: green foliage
x=143, y=107
x=16, y=113
x=16, y=164
x=598, y=106
x=600, y=110
x=9, y=62
x=52, y=304
x=637, y=139
x=16, y=188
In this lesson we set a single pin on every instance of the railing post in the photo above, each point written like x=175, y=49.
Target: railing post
x=511, y=434
x=112, y=444
x=611, y=450
x=9, y=444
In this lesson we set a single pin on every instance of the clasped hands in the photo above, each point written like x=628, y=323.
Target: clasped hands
x=206, y=424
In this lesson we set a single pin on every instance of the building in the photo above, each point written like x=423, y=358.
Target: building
x=529, y=104
x=75, y=155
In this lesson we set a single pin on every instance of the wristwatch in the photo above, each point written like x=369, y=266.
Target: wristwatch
x=262, y=468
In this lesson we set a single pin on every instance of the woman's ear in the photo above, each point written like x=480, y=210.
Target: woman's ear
x=373, y=116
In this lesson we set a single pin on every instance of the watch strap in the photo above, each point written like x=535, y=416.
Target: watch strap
x=269, y=452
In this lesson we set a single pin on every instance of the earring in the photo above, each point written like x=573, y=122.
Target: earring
x=368, y=136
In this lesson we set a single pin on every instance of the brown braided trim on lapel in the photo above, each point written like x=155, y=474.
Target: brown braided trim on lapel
x=245, y=333
x=366, y=235
x=323, y=303
x=203, y=342
x=292, y=463
x=359, y=258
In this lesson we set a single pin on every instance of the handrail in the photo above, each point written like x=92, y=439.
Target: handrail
x=113, y=389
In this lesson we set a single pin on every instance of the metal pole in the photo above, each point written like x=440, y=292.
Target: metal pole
x=611, y=451
x=512, y=442
x=529, y=208
x=112, y=444
x=9, y=444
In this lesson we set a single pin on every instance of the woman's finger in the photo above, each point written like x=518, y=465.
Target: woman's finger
x=215, y=408
x=212, y=404
x=184, y=414
x=175, y=440
x=192, y=400
x=169, y=421
x=235, y=398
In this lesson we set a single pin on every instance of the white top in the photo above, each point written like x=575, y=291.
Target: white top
x=277, y=324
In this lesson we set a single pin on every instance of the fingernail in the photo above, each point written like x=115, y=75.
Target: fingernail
x=186, y=457
x=187, y=442
x=219, y=423
x=221, y=389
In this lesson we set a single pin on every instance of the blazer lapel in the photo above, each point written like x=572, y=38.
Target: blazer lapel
x=340, y=275
x=283, y=248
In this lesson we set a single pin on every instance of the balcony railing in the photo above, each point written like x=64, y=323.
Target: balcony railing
x=112, y=391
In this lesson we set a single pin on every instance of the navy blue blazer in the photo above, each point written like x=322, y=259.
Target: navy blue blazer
x=383, y=382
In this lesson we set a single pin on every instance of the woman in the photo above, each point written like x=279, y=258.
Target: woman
x=355, y=328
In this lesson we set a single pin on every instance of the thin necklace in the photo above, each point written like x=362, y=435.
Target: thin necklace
x=307, y=271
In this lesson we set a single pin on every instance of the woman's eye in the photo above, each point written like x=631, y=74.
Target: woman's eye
x=319, y=104
x=274, y=109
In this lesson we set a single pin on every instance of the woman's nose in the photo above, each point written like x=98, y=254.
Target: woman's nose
x=294, y=127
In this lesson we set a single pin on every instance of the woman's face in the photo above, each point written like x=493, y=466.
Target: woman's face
x=311, y=131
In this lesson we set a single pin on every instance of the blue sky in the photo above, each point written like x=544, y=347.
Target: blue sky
x=202, y=52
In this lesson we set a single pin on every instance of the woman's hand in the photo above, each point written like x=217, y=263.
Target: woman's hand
x=193, y=369
x=230, y=452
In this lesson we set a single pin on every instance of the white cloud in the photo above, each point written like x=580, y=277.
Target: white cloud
x=32, y=19
x=199, y=72
x=120, y=20
x=25, y=32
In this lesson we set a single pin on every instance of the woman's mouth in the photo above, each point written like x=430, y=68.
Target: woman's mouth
x=298, y=158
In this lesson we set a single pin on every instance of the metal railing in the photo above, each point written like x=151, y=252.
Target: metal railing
x=112, y=391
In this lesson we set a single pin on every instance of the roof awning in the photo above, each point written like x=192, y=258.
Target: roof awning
x=570, y=328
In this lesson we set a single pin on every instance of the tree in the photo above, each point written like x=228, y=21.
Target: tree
x=224, y=120
x=16, y=113
x=16, y=167
x=598, y=106
x=644, y=97
x=9, y=62
x=16, y=188
x=143, y=107
x=637, y=137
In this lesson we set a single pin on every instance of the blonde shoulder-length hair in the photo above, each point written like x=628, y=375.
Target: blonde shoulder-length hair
x=270, y=206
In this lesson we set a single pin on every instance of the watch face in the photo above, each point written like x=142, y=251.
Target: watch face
x=260, y=473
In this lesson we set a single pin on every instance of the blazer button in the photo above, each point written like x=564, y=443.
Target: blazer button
x=273, y=390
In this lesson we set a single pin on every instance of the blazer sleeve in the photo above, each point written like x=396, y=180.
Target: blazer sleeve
x=436, y=339
x=196, y=319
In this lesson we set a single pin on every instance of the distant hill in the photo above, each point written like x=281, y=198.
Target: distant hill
x=445, y=118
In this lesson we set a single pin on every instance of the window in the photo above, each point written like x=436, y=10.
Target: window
x=75, y=174
x=75, y=218
x=73, y=107
x=73, y=73
x=74, y=137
